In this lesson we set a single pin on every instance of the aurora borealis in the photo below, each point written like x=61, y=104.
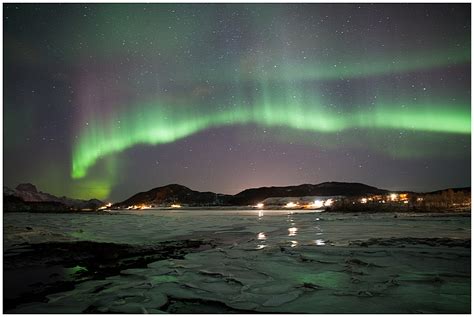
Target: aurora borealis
x=159, y=125
x=105, y=100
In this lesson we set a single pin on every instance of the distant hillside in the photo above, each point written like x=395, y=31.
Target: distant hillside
x=255, y=195
x=26, y=197
x=14, y=203
x=174, y=193
x=465, y=190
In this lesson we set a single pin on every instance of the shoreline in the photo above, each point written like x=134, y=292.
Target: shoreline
x=241, y=208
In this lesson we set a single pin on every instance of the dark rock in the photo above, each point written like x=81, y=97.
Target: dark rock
x=27, y=187
x=403, y=242
x=94, y=260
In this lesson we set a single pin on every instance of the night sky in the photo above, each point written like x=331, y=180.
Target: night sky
x=106, y=100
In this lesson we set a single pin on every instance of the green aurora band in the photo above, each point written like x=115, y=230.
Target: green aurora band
x=275, y=89
x=160, y=124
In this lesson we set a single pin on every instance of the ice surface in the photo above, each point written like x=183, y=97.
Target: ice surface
x=318, y=268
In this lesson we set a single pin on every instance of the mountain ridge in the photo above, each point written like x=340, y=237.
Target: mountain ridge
x=254, y=195
x=175, y=193
x=26, y=196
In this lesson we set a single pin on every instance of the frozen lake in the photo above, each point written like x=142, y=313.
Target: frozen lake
x=263, y=261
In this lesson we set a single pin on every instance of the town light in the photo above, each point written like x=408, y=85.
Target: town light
x=259, y=205
x=318, y=204
x=108, y=205
x=291, y=205
x=328, y=203
x=175, y=206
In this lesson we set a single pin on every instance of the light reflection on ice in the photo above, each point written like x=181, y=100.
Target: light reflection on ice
x=292, y=231
x=261, y=236
x=261, y=246
x=293, y=243
x=320, y=242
